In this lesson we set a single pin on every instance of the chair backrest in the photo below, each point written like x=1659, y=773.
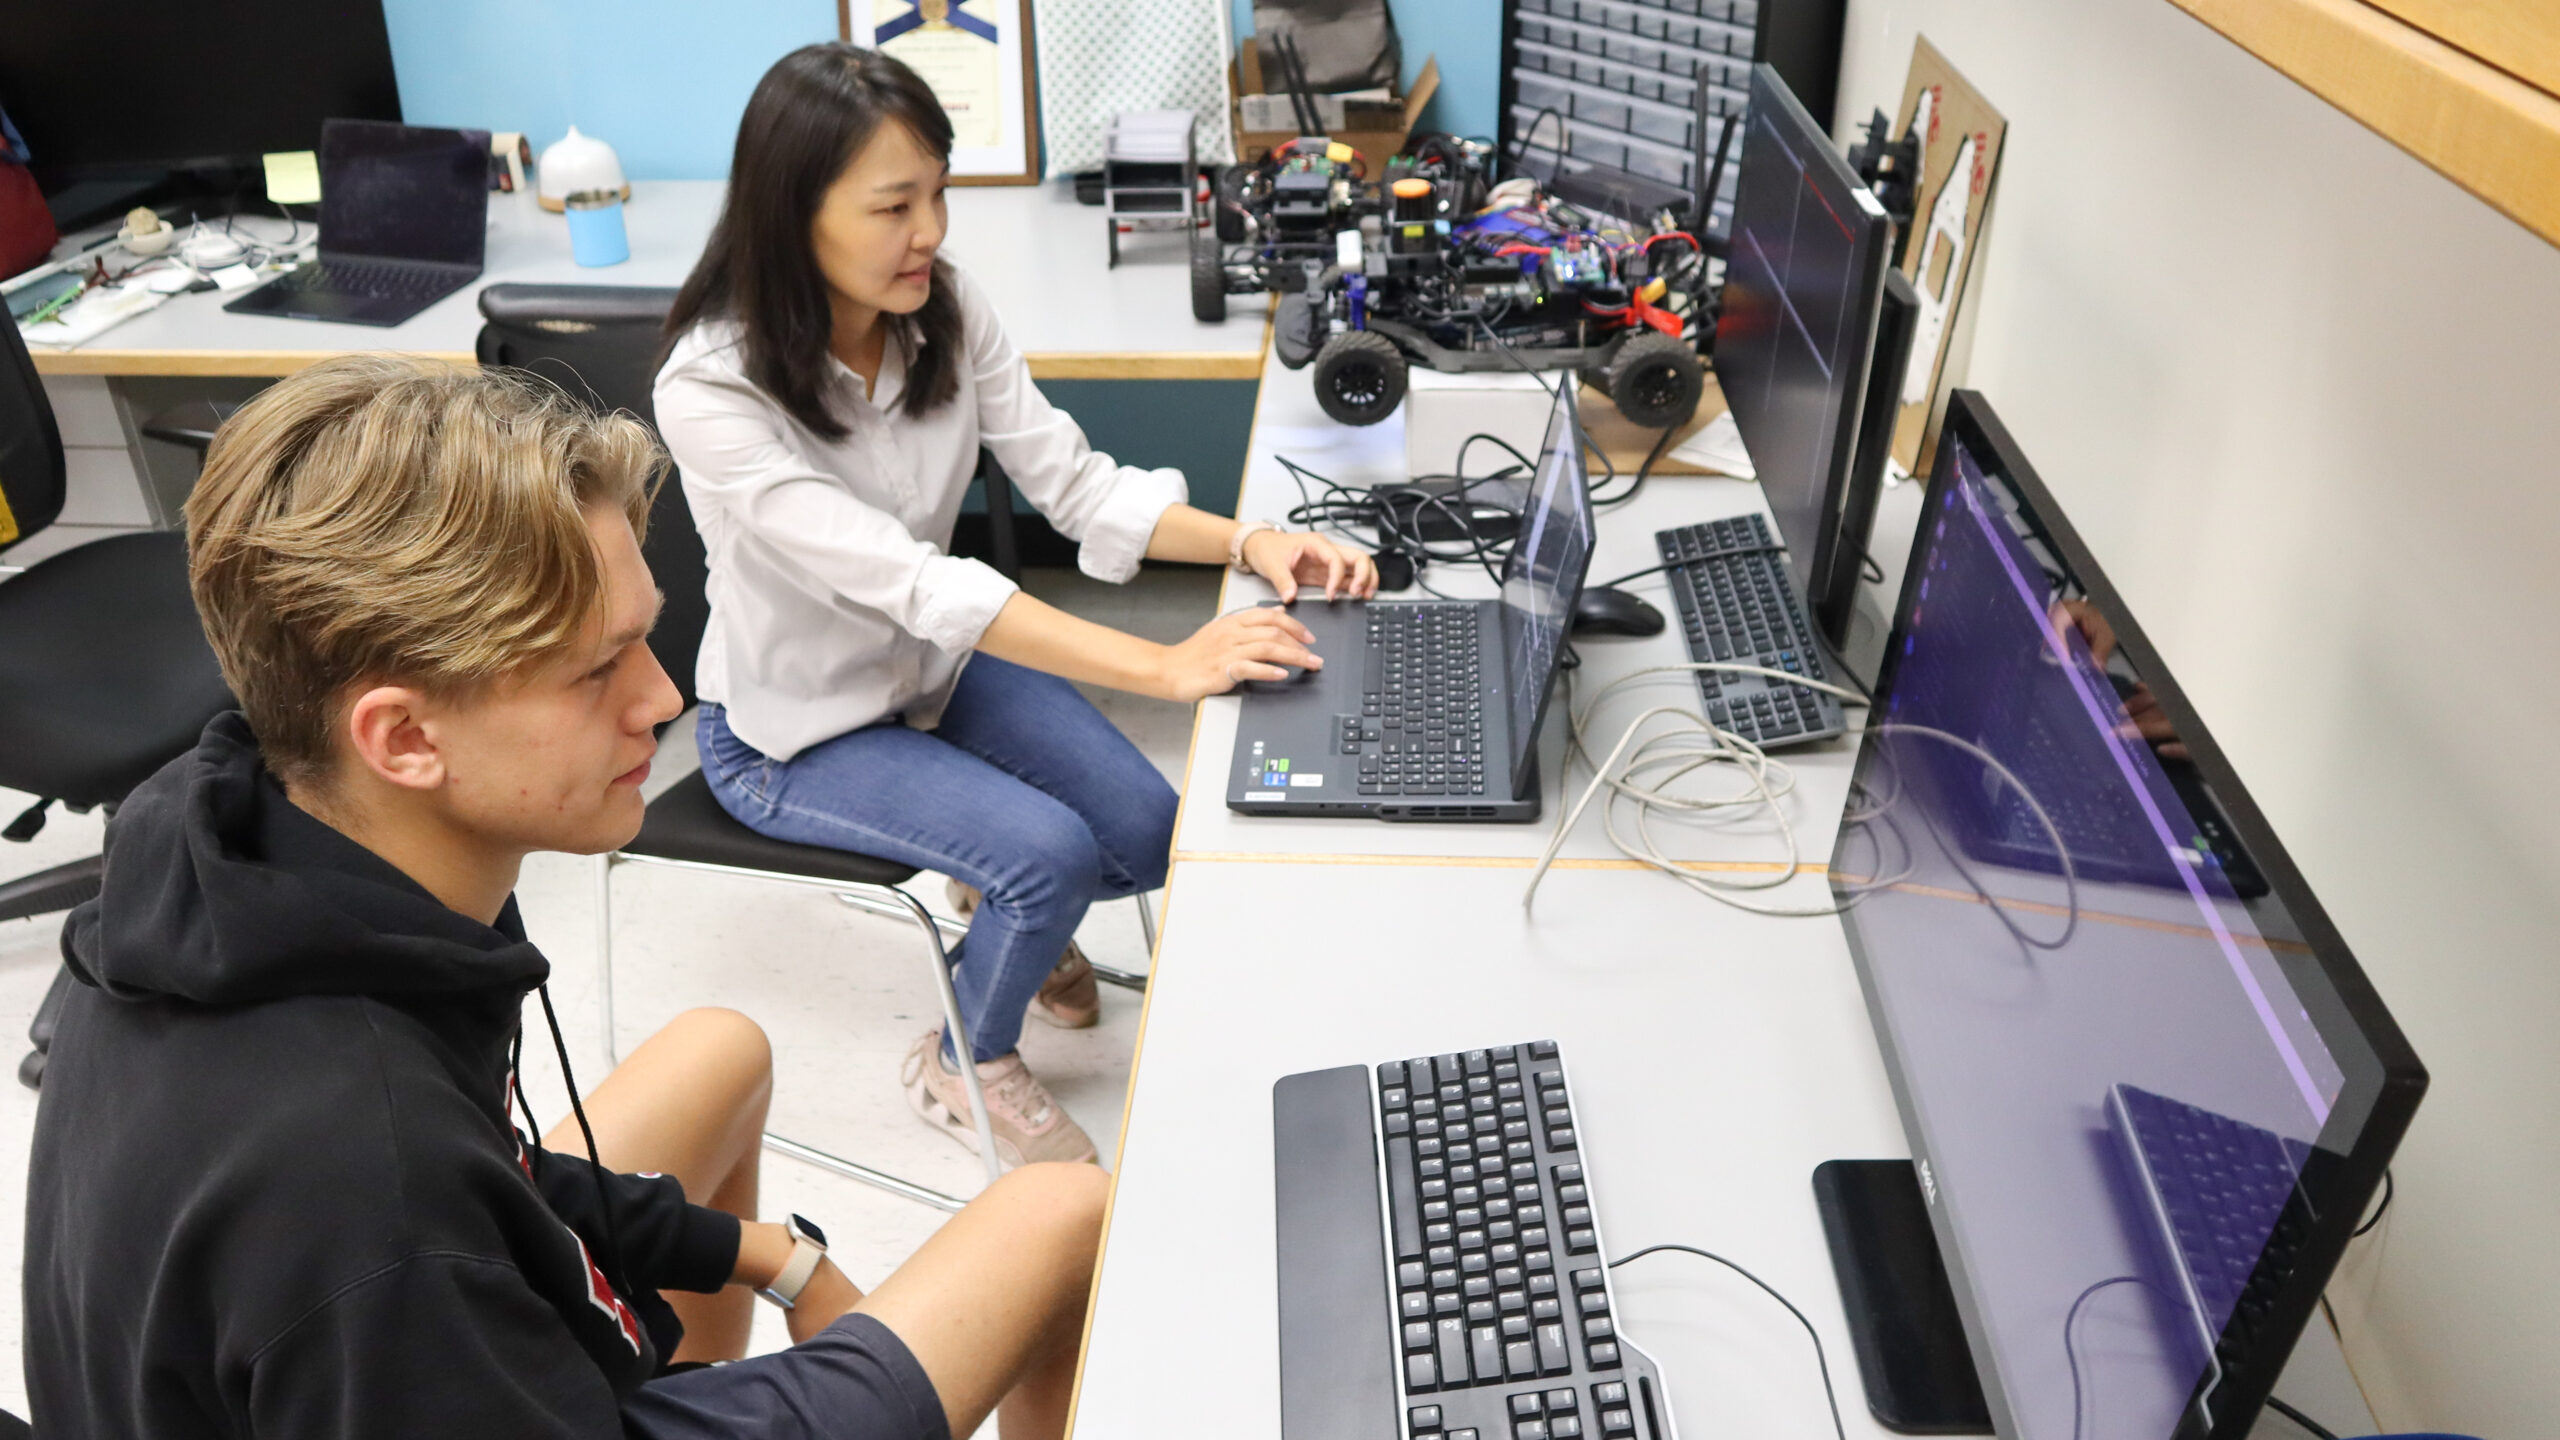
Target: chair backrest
x=600, y=344
x=30, y=444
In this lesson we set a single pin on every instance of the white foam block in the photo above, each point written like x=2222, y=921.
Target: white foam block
x=1442, y=410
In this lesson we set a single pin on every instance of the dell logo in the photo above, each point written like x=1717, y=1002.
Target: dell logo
x=1928, y=1183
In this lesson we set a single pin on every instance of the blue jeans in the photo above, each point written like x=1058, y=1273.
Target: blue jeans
x=1025, y=791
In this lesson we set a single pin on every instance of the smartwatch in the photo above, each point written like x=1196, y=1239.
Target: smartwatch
x=808, y=1247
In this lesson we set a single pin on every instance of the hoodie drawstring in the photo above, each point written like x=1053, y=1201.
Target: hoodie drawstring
x=620, y=1275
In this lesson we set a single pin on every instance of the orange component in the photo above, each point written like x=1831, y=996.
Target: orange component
x=1412, y=187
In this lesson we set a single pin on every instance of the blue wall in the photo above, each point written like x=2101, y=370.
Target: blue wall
x=663, y=81
x=1466, y=35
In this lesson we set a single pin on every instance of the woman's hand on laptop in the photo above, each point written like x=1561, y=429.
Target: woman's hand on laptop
x=1291, y=558
x=1249, y=644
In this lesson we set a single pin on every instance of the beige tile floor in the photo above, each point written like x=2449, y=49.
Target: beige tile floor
x=840, y=992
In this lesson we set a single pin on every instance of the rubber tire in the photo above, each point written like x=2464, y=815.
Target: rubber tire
x=1208, y=281
x=1656, y=379
x=1226, y=189
x=1360, y=377
x=1294, y=336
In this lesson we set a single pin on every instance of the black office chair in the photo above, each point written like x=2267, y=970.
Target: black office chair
x=600, y=342
x=104, y=671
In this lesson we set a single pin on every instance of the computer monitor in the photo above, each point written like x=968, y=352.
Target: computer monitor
x=144, y=87
x=1803, y=282
x=1542, y=578
x=2147, y=1090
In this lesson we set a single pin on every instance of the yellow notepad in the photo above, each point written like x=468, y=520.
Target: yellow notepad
x=293, y=177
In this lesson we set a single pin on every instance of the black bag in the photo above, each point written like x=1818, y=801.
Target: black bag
x=1346, y=44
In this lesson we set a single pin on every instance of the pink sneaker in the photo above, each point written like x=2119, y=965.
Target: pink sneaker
x=1028, y=1122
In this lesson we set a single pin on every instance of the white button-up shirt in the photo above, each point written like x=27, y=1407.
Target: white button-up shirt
x=833, y=602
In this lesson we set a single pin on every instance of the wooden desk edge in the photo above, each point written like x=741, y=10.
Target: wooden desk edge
x=1047, y=365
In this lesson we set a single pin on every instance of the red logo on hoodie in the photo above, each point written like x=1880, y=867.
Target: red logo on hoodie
x=600, y=1295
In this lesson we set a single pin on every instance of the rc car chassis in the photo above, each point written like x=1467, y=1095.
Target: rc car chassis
x=1432, y=264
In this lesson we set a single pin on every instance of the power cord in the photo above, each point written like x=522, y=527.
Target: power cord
x=1830, y=1396
x=1677, y=753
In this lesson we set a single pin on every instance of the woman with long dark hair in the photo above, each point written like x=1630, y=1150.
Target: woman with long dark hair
x=828, y=383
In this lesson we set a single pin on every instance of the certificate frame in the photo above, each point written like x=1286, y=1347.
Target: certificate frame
x=1012, y=154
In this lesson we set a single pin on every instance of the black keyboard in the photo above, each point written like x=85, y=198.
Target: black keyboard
x=377, y=279
x=2217, y=1189
x=1420, y=730
x=1484, y=1276
x=1735, y=605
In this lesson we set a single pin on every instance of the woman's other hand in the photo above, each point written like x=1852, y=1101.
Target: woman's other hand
x=1291, y=558
x=1249, y=644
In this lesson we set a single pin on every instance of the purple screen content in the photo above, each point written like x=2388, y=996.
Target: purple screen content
x=2132, y=997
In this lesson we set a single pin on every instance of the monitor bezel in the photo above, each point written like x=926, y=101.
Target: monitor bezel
x=1566, y=408
x=1875, y=240
x=2385, y=1082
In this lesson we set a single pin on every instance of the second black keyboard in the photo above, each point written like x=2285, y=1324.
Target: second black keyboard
x=1729, y=580
x=1498, y=1309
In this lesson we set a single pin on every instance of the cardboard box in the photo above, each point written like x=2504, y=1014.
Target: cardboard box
x=1374, y=145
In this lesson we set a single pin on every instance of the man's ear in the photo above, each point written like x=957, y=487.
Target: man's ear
x=387, y=735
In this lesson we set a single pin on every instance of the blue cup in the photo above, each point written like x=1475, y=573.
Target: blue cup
x=596, y=236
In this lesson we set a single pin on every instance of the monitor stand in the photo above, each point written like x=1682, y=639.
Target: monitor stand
x=1902, y=1315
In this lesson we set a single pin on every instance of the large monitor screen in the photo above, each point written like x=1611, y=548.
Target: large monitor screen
x=1802, y=285
x=2146, y=1088
x=1543, y=577
x=98, y=86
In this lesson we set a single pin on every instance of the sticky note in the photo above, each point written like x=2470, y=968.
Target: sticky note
x=293, y=177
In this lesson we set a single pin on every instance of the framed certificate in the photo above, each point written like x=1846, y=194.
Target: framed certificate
x=976, y=54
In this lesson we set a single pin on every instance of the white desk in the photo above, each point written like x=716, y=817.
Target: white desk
x=1039, y=253
x=1717, y=1057
x=1289, y=423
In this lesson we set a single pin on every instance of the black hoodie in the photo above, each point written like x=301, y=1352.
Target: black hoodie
x=276, y=1190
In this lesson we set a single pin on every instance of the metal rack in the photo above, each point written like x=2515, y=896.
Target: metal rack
x=1605, y=92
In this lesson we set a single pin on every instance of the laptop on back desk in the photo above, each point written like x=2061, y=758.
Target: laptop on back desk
x=1429, y=709
x=404, y=221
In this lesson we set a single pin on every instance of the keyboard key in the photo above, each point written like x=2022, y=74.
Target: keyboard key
x=1520, y=1360
x=1589, y=1278
x=1417, y=1335
x=1581, y=1242
x=1612, y=1392
x=1420, y=1375
x=1524, y=1406
x=1593, y=1302
x=1614, y=1423
x=1424, y=1417
x=1546, y=1307
x=1452, y=1337
x=1560, y=1402
x=1560, y=1139
x=1604, y=1355
x=1488, y=1352
x=1553, y=1359
x=1565, y=1427
x=1599, y=1328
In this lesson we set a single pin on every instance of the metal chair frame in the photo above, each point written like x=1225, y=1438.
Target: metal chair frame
x=888, y=900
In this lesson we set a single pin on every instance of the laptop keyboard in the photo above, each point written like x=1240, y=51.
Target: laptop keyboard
x=377, y=280
x=1735, y=605
x=1420, y=730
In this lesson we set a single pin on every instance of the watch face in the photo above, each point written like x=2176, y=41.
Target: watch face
x=808, y=1227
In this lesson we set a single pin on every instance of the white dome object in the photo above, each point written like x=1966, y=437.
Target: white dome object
x=576, y=162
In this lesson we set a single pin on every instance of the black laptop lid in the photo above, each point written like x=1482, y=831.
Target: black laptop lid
x=1543, y=578
x=404, y=192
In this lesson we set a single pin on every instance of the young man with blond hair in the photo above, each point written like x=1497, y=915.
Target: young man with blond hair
x=277, y=1186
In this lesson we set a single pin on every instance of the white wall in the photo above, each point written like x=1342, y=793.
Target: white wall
x=2298, y=391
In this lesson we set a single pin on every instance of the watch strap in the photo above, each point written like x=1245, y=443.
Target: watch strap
x=786, y=1287
x=1235, y=543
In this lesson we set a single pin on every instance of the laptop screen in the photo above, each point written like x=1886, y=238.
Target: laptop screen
x=1543, y=577
x=404, y=192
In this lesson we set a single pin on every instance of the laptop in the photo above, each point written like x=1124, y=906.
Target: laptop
x=1429, y=709
x=404, y=222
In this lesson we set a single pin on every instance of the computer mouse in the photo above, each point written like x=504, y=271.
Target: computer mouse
x=1395, y=570
x=1614, y=612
